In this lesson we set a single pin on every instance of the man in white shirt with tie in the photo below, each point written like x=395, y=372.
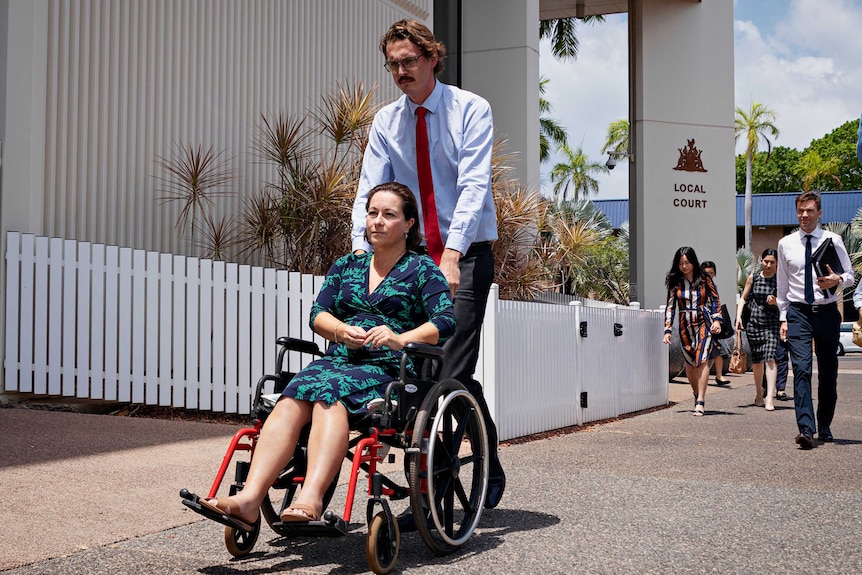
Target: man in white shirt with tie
x=809, y=313
x=438, y=140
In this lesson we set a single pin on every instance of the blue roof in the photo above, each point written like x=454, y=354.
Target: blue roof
x=617, y=211
x=766, y=209
x=780, y=209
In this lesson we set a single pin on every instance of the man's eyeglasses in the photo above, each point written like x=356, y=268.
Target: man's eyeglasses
x=407, y=63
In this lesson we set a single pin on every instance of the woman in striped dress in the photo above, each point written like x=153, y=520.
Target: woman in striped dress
x=693, y=292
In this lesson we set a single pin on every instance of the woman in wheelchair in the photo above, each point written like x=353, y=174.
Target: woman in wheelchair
x=370, y=306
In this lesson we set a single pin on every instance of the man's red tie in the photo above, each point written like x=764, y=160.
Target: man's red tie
x=433, y=239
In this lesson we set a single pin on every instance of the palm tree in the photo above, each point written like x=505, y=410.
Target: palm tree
x=617, y=142
x=561, y=31
x=576, y=173
x=755, y=124
x=550, y=130
x=812, y=168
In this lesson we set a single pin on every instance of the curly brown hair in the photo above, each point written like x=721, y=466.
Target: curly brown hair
x=420, y=35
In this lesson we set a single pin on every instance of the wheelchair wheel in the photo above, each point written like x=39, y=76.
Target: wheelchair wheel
x=239, y=543
x=284, y=489
x=448, y=472
x=382, y=544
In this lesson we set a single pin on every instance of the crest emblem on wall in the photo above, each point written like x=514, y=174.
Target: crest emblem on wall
x=689, y=159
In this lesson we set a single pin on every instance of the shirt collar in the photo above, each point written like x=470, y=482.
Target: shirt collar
x=432, y=102
x=815, y=233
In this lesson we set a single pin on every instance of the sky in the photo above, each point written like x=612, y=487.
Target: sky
x=800, y=58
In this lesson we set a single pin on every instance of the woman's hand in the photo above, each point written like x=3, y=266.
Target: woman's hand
x=352, y=336
x=666, y=338
x=381, y=335
x=771, y=300
x=715, y=327
x=739, y=326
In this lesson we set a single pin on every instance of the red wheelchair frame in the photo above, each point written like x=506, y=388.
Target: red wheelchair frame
x=438, y=422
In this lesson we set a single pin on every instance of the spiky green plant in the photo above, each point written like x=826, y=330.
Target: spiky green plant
x=301, y=219
x=521, y=270
x=579, y=230
x=193, y=177
x=746, y=264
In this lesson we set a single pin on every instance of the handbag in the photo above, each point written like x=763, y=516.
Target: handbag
x=746, y=313
x=726, y=325
x=738, y=359
x=857, y=332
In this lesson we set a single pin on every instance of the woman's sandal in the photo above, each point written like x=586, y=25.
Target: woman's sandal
x=299, y=513
x=698, y=409
x=223, y=506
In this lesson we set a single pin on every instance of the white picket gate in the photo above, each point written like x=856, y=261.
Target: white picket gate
x=556, y=366
x=106, y=323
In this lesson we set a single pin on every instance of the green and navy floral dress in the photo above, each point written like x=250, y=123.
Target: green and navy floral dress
x=413, y=293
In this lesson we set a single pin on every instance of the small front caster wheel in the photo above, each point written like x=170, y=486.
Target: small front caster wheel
x=239, y=543
x=382, y=543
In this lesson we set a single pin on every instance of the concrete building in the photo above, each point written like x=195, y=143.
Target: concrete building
x=92, y=92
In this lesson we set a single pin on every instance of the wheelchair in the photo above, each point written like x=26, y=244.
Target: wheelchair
x=438, y=425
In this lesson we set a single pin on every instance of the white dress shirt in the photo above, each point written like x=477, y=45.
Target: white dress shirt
x=791, y=269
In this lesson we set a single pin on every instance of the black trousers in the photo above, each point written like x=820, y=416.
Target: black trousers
x=462, y=349
x=819, y=324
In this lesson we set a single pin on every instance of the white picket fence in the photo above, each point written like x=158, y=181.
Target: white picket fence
x=106, y=323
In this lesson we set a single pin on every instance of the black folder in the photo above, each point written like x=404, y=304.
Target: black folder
x=824, y=255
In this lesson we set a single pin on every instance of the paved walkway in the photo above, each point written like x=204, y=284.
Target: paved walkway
x=663, y=492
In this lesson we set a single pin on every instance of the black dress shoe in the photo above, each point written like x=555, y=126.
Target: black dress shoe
x=407, y=521
x=825, y=435
x=804, y=441
x=496, y=487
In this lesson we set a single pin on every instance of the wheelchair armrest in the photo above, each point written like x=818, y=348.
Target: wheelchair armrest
x=424, y=350
x=430, y=359
x=300, y=345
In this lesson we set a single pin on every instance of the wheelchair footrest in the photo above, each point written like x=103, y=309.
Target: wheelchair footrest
x=331, y=526
x=192, y=501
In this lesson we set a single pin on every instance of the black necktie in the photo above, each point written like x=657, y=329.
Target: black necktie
x=809, y=284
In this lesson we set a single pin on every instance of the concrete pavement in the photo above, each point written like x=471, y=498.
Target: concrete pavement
x=662, y=492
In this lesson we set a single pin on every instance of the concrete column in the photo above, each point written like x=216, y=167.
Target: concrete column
x=22, y=154
x=21, y=197
x=682, y=192
x=500, y=62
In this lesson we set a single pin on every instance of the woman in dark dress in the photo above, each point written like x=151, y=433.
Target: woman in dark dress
x=370, y=306
x=762, y=330
x=691, y=290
